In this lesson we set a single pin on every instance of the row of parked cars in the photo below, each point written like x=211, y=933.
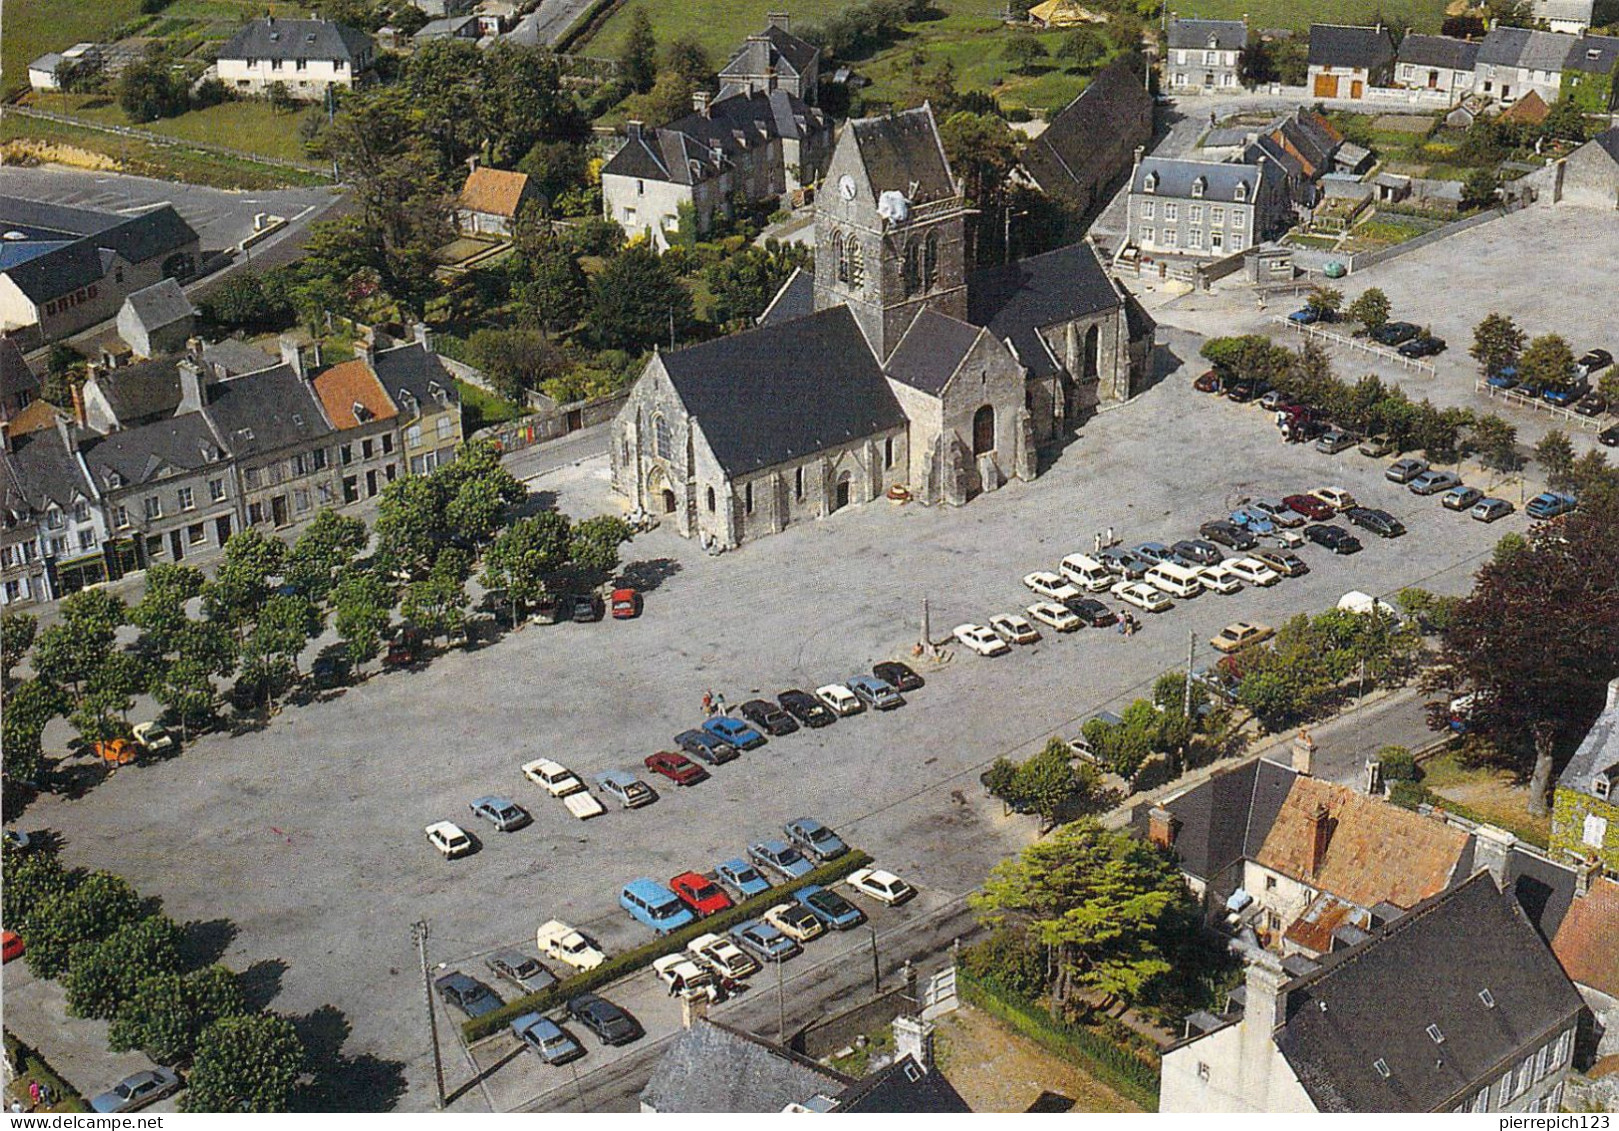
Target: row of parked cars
x=1576, y=394
x=1407, y=338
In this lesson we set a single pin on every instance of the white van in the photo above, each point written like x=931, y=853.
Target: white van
x=1086, y=572
x=1176, y=580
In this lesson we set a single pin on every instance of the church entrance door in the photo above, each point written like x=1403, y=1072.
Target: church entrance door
x=840, y=494
x=983, y=430
x=668, y=501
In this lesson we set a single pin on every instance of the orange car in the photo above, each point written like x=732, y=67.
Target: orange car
x=12, y=945
x=118, y=752
x=626, y=604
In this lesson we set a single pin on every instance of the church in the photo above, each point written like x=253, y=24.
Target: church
x=892, y=367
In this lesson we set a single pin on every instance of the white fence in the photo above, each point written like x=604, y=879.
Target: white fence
x=1524, y=400
x=1362, y=345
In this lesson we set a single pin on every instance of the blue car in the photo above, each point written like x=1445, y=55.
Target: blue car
x=830, y=907
x=653, y=905
x=734, y=731
x=1550, y=504
x=763, y=941
x=1506, y=379
x=1305, y=317
x=548, y=1040
x=1155, y=552
x=1253, y=520
x=742, y=878
x=780, y=857
x=1567, y=395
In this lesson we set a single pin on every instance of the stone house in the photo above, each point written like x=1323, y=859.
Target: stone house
x=1204, y=56
x=51, y=505
x=1206, y=209
x=1588, y=177
x=1438, y=63
x=1087, y=149
x=429, y=404
x=1591, y=74
x=774, y=59
x=490, y=201
x=1571, y=16
x=367, y=424
x=1585, y=802
x=1345, y=60
x=156, y=320
x=1513, y=61
x=19, y=384
x=304, y=56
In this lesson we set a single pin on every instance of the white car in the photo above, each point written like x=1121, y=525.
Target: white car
x=684, y=977
x=885, y=887
x=795, y=921
x=723, y=955
x=1253, y=571
x=1056, y=616
x=1288, y=539
x=559, y=941
x=449, y=838
x=980, y=640
x=1014, y=629
x=1218, y=579
x=1335, y=497
x=153, y=737
x=1142, y=596
x=839, y=699
x=555, y=778
x=1050, y=585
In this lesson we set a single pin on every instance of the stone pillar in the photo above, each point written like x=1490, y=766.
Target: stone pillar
x=913, y=1037
x=1025, y=459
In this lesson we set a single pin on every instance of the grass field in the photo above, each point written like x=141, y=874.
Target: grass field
x=251, y=126
x=1420, y=15
x=33, y=28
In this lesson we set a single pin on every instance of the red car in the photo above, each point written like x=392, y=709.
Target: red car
x=1208, y=383
x=626, y=604
x=14, y=945
x=1310, y=507
x=700, y=893
x=676, y=767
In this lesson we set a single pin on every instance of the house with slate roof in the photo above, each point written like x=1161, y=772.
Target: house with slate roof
x=157, y=319
x=1586, y=178
x=774, y=59
x=1345, y=60
x=19, y=384
x=429, y=406
x=51, y=501
x=304, y=56
x=891, y=367
x=1436, y=62
x=1571, y=16
x=1512, y=61
x=1204, y=56
x=1585, y=802
x=63, y=269
x=1206, y=209
x=1457, y=1005
x=1086, y=150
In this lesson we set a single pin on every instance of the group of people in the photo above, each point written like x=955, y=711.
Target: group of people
x=38, y=1094
x=1105, y=541
x=1128, y=625
x=714, y=704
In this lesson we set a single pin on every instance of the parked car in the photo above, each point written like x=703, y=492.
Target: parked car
x=467, y=994
x=1335, y=497
x=979, y=639
x=1564, y=395
x=1014, y=629
x=1272, y=401
x=1051, y=586
x=1488, y=510
x=1609, y=437
x=1433, y=482
x=330, y=671
x=625, y=788
x=832, y=909
x=815, y=839
x=899, y=676
x=1376, y=447
x=1461, y=498
x=1253, y=520
x=1155, y=552
x=585, y=608
x=136, y=1091
x=1309, y=315
x=768, y=716
x=1198, y=552
x=653, y=905
x=1239, y=635
x=1426, y=346
x=709, y=747
x=606, y=1020
x=1311, y=507
x=1379, y=522
x=1395, y=333
x=781, y=858
x=839, y=700
x=506, y=815
x=1335, y=440
x=555, y=939
x=12, y=945
x=1506, y=378
x=546, y=1039
x=703, y=895
x=152, y=737
x=626, y=604
x=764, y=941
x=1055, y=616
x=734, y=731
x=676, y=767
x=449, y=838
x=1405, y=470
x=553, y=777
x=1253, y=571
x=885, y=887
x=1219, y=579
x=741, y=879
x=1592, y=404
x=1142, y=596
x=795, y=921
x=1284, y=562
x=1334, y=538
x=875, y=693
x=1594, y=362
x=1126, y=563
x=1092, y=612
x=805, y=708
x=685, y=977
x=1227, y=533
x=524, y=971
x=723, y=956
x=1550, y=504
x=1279, y=512
x=1209, y=382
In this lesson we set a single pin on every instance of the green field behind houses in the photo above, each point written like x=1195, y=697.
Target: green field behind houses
x=1419, y=15
x=251, y=125
x=33, y=27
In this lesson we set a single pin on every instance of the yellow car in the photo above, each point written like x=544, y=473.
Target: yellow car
x=1235, y=637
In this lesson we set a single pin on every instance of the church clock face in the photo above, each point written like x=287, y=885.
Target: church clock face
x=846, y=187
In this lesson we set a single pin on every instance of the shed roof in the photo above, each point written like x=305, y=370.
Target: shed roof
x=493, y=191
x=1339, y=45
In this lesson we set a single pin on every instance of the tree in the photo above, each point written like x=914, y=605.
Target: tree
x=593, y=545
x=1547, y=363
x=1000, y=779
x=149, y=89
x=31, y=880
x=362, y=604
x=323, y=553
x=285, y=625
x=1478, y=190
x=1370, y=308
x=165, y=1013
x=186, y=686
x=478, y=489
x=745, y=283
x=1565, y=122
x=1325, y=301
x=638, y=59
x=437, y=604
x=637, y=301
x=515, y=360
x=523, y=103
x=87, y=912
x=551, y=285
x=1024, y=52
x=241, y=584
x=102, y=974
x=17, y=632
x=1047, y=784
x=1555, y=453
x=243, y=301
x=245, y=1063
x=1080, y=49
x=410, y=525
x=1497, y=342
x=1537, y=640
x=1104, y=904
x=1496, y=442
x=160, y=614
x=68, y=652
x=525, y=554
x=29, y=708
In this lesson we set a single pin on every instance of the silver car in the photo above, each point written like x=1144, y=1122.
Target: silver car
x=136, y=1091
x=521, y=970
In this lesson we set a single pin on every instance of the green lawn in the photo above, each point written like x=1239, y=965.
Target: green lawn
x=33, y=27
x=250, y=125
x=1421, y=15
x=719, y=25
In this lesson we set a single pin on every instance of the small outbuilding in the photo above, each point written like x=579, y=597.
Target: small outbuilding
x=156, y=320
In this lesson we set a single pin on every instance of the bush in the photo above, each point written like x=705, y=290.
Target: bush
x=1399, y=764
x=632, y=960
x=1009, y=958
x=1409, y=794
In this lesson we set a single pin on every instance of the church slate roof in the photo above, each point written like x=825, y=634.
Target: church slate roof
x=715, y=1068
x=784, y=391
x=796, y=299
x=931, y=351
x=901, y=150
x=1115, y=103
x=1016, y=300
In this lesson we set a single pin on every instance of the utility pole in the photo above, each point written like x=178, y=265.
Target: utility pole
x=418, y=934
x=781, y=1005
x=876, y=966
x=927, y=629
x=1186, y=697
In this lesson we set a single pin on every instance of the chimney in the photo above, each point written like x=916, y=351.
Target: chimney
x=1162, y=827
x=76, y=390
x=1265, y=1002
x=913, y=1037
x=782, y=20
x=1613, y=694
x=365, y=348
x=194, y=347
x=1584, y=872
x=632, y=129
x=1320, y=837
x=699, y=101
x=1303, y=753
x=1491, y=847
x=193, y=387
x=472, y=163
x=292, y=354
x=1374, y=777
x=424, y=336
x=693, y=1010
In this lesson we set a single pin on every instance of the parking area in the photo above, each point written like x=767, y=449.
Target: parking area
x=307, y=834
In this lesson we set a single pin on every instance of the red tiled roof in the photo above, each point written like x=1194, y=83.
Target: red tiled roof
x=494, y=191
x=349, y=383
x=1587, y=942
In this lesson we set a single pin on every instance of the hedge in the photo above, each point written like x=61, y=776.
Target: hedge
x=1117, y=1067
x=632, y=960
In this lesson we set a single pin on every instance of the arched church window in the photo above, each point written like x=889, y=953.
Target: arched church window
x=930, y=261
x=662, y=441
x=857, y=265
x=838, y=257
x=912, y=269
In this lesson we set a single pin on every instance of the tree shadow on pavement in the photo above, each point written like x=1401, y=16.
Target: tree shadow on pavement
x=261, y=982
x=338, y=1082
x=649, y=574
x=204, y=942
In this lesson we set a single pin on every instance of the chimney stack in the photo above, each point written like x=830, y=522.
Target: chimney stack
x=1584, y=872
x=1303, y=753
x=1320, y=837
x=365, y=347
x=913, y=1037
x=193, y=387
x=699, y=101
x=424, y=336
x=1265, y=1001
x=782, y=20
x=633, y=128
x=1613, y=694
x=292, y=354
x=76, y=390
x=1491, y=848
x=693, y=1010
x=1162, y=827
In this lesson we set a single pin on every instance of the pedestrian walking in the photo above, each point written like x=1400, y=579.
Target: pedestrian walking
x=719, y=704
x=16, y=1106
x=1110, y=541
x=1098, y=543
x=45, y=1094
x=33, y=1095
x=708, y=704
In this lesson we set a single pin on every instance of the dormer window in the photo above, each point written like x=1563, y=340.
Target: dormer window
x=1602, y=786
x=1381, y=1067
x=1242, y=191
x=1199, y=186
x=1151, y=183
